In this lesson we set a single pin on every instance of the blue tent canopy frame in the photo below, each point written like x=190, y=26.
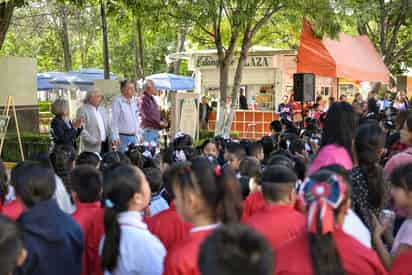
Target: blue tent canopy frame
x=172, y=82
x=83, y=78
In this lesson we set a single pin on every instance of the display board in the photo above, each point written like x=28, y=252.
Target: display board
x=184, y=113
x=18, y=78
x=109, y=88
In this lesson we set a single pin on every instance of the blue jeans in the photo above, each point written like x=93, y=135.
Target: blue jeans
x=125, y=141
x=151, y=135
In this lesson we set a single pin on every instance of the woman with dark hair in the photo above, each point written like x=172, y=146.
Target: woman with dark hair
x=128, y=247
x=373, y=109
x=338, y=132
x=358, y=104
x=370, y=190
x=62, y=159
x=326, y=249
x=205, y=196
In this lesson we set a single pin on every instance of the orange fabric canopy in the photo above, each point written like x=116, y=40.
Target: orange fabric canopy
x=349, y=57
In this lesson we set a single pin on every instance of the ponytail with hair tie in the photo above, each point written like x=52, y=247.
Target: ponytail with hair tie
x=322, y=198
x=323, y=194
x=218, y=171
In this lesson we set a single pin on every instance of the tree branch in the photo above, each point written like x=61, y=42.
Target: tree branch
x=402, y=51
x=399, y=21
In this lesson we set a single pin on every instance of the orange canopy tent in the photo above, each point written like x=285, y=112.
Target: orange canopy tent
x=349, y=57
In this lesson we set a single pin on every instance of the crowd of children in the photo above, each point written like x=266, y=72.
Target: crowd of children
x=320, y=199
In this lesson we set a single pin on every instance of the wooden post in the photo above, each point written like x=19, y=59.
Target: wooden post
x=6, y=111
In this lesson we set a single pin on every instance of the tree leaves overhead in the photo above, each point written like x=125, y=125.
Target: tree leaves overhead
x=34, y=28
x=388, y=24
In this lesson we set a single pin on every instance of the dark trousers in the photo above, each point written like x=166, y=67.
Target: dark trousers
x=105, y=147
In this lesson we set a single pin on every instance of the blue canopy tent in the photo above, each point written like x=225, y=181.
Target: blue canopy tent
x=71, y=80
x=83, y=79
x=172, y=82
x=43, y=80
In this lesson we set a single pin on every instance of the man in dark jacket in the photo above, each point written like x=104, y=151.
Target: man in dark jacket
x=150, y=114
x=204, y=110
x=53, y=240
x=243, y=101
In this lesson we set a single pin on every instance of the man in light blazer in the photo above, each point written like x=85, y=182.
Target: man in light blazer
x=94, y=137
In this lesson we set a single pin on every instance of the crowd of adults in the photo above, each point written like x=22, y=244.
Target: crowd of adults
x=332, y=195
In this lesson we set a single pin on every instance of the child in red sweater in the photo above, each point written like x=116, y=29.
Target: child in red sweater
x=278, y=221
x=205, y=196
x=86, y=182
x=167, y=225
x=326, y=248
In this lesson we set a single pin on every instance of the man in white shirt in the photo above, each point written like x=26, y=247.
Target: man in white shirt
x=96, y=127
x=125, y=117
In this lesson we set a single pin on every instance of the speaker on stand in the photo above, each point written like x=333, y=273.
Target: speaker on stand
x=304, y=90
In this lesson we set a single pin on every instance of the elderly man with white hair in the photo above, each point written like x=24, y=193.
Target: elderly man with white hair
x=94, y=137
x=150, y=114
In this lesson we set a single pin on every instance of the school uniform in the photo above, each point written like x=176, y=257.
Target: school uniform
x=140, y=251
x=252, y=204
x=13, y=209
x=90, y=217
x=168, y=226
x=294, y=257
x=278, y=224
x=54, y=241
x=402, y=264
x=157, y=204
x=183, y=257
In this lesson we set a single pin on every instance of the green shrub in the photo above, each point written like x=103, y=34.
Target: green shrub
x=44, y=106
x=33, y=144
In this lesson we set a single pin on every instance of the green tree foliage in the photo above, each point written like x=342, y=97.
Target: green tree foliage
x=388, y=24
x=34, y=32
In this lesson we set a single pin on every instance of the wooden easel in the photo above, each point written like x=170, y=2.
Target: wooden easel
x=6, y=111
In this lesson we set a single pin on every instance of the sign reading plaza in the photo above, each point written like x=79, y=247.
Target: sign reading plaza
x=251, y=61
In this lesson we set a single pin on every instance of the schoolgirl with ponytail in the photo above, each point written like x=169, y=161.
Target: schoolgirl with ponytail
x=370, y=190
x=205, y=196
x=326, y=249
x=128, y=247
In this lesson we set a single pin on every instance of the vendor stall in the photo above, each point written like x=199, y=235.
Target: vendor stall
x=267, y=76
x=348, y=61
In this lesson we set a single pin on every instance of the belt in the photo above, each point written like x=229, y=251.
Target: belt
x=127, y=135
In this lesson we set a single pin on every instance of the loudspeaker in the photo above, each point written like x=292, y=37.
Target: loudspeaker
x=304, y=87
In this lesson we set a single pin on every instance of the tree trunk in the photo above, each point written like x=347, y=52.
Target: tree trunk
x=181, y=38
x=141, y=46
x=6, y=12
x=64, y=36
x=137, y=71
x=236, y=86
x=105, y=41
x=223, y=86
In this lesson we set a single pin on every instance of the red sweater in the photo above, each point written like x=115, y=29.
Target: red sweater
x=13, y=209
x=90, y=217
x=278, y=224
x=402, y=264
x=252, y=204
x=168, y=226
x=182, y=258
x=294, y=259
